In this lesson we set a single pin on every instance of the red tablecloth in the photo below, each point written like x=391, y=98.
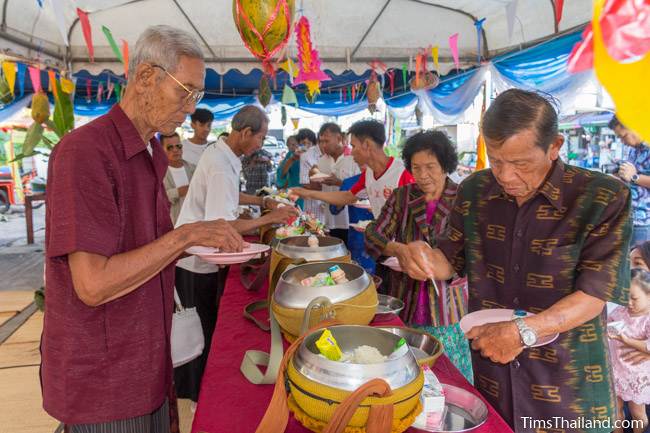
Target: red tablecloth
x=228, y=403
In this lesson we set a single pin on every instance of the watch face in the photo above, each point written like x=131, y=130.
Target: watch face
x=528, y=337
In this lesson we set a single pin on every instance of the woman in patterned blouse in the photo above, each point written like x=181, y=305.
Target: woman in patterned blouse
x=418, y=212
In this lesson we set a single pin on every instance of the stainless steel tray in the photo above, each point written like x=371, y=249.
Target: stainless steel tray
x=465, y=411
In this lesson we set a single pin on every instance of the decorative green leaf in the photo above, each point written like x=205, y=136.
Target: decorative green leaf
x=63, y=111
x=33, y=137
x=54, y=128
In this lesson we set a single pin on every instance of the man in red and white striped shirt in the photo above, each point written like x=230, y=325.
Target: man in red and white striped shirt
x=382, y=175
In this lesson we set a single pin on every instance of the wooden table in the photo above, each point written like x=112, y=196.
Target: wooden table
x=29, y=215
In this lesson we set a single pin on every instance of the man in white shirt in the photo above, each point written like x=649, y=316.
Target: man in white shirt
x=382, y=175
x=339, y=167
x=214, y=193
x=194, y=146
x=307, y=161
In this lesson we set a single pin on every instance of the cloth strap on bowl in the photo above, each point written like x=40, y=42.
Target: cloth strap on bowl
x=276, y=417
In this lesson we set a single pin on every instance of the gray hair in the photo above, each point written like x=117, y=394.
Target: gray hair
x=251, y=117
x=163, y=45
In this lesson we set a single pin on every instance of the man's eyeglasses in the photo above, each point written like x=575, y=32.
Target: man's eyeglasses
x=172, y=146
x=193, y=96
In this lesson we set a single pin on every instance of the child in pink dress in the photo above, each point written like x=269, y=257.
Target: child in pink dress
x=629, y=330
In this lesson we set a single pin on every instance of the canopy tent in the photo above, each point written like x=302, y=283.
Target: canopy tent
x=347, y=37
x=348, y=34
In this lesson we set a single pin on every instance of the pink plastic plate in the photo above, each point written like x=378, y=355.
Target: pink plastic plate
x=363, y=204
x=211, y=255
x=494, y=315
x=392, y=263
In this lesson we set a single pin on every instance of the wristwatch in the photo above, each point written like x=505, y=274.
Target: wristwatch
x=527, y=334
x=634, y=179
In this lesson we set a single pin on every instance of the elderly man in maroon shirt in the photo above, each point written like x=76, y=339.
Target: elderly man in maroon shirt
x=111, y=249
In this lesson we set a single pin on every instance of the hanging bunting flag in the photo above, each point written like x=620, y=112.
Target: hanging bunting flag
x=110, y=87
x=418, y=69
x=112, y=43
x=511, y=15
x=289, y=66
x=434, y=55
x=125, y=57
x=67, y=85
x=453, y=45
x=308, y=59
x=22, y=71
x=295, y=121
x=404, y=76
x=89, y=90
x=264, y=92
x=289, y=96
x=100, y=92
x=118, y=91
x=391, y=81
x=354, y=93
x=35, y=77
x=479, y=27
x=559, y=8
x=9, y=71
x=59, y=8
x=51, y=84
x=88, y=36
x=40, y=3
x=345, y=95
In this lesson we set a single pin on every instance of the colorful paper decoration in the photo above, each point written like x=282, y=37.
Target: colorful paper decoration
x=625, y=26
x=100, y=92
x=353, y=90
x=373, y=93
x=424, y=79
x=264, y=27
x=51, y=83
x=391, y=81
x=453, y=46
x=264, y=93
x=22, y=71
x=627, y=83
x=559, y=7
x=290, y=67
x=67, y=85
x=295, y=121
x=5, y=94
x=283, y=115
x=110, y=87
x=511, y=15
x=289, y=96
x=308, y=58
x=87, y=32
x=89, y=90
x=125, y=56
x=479, y=27
x=434, y=55
x=112, y=43
x=35, y=77
x=9, y=71
x=118, y=91
x=59, y=14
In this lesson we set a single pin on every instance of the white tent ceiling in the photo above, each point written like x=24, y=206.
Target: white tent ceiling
x=342, y=30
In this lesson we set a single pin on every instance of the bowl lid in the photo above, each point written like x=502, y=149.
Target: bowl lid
x=290, y=293
x=297, y=247
x=398, y=372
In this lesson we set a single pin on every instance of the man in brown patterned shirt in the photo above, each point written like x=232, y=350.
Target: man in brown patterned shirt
x=535, y=234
